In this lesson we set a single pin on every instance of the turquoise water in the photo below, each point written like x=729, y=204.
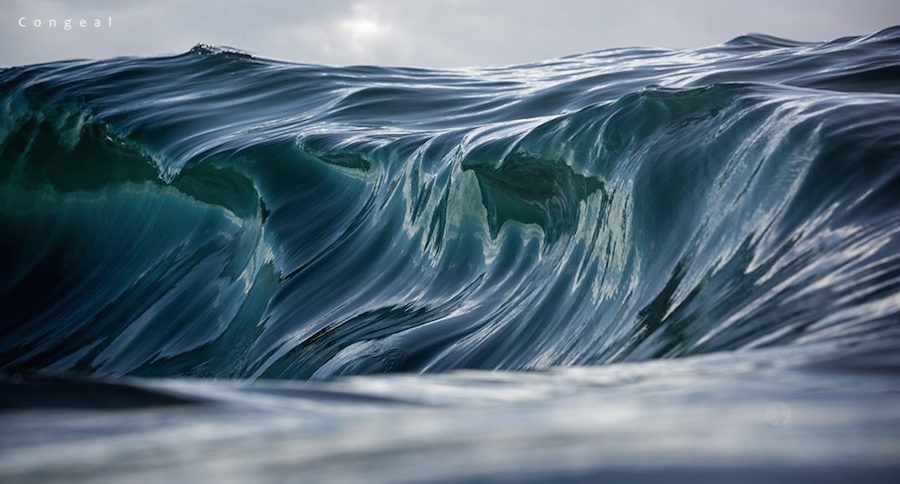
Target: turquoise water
x=633, y=263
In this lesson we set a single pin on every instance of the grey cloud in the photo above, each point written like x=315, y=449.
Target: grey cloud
x=421, y=33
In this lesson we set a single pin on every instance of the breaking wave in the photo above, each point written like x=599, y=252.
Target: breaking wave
x=214, y=214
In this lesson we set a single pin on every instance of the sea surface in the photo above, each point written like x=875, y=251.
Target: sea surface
x=630, y=264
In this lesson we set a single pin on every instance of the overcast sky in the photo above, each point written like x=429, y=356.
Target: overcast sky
x=428, y=33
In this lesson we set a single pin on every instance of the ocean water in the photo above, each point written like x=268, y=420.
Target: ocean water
x=629, y=264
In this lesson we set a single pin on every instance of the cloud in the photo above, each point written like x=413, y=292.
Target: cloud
x=422, y=33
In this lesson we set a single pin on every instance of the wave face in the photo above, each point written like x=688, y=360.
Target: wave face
x=213, y=214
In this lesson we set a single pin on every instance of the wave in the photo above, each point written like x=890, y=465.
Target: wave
x=214, y=214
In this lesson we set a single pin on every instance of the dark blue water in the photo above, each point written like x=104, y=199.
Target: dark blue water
x=660, y=264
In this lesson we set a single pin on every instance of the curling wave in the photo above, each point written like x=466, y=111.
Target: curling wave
x=215, y=214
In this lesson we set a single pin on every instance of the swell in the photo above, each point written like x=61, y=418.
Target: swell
x=218, y=215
